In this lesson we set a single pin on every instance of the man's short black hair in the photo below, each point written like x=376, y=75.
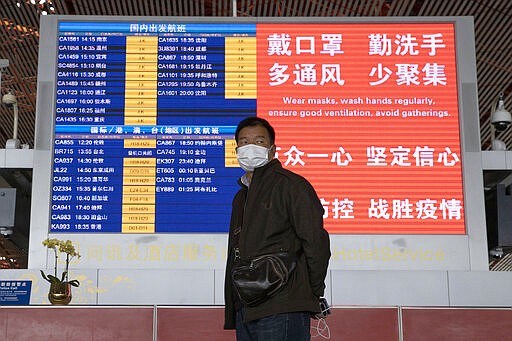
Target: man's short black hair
x=256, y=121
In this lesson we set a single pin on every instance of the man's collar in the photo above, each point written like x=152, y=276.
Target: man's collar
x=245, y=180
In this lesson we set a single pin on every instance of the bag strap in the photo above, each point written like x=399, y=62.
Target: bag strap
x=236, y=243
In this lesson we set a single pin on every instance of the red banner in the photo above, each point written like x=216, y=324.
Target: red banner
x=368, y=113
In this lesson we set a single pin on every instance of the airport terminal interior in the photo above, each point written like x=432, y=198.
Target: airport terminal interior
x=370, y=300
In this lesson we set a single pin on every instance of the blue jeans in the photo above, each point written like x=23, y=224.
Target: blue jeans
x=281, y=327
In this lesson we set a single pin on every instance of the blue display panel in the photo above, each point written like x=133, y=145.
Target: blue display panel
x=144, y=125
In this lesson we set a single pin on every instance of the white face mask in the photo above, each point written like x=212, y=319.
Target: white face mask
x=252, y=156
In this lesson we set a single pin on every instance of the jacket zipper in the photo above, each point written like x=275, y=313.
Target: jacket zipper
x=237, y=250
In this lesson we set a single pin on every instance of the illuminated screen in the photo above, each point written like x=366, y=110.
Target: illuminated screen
x=146, y=114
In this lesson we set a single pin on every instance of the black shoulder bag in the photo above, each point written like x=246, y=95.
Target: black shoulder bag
x=257, y=279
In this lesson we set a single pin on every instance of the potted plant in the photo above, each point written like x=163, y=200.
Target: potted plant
x=60, y=288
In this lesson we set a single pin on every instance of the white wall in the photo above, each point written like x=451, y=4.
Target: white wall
x=344, y=287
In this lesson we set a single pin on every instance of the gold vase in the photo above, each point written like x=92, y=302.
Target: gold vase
x=60, y=293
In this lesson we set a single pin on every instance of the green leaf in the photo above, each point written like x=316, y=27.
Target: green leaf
x=74, y=283
x=54, y=280
x=44, y=276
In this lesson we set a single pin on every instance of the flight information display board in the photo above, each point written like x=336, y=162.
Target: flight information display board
x=145, y=116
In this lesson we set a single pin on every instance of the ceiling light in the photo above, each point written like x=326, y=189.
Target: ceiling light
x=43, y=6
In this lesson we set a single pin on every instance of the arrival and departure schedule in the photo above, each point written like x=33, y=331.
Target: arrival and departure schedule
x=144, y=125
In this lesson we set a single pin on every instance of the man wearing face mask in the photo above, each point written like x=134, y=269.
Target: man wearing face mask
x=275, y=210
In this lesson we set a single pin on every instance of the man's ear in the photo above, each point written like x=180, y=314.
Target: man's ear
x=272, y=151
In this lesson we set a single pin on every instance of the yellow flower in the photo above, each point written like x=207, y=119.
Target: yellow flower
x=51, y=243
x=61, y=246
x=66, y=247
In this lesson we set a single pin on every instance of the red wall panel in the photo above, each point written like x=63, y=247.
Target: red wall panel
x=80, y=324
x=456, y=324
x=206, y=323
x=192, y=324
x=363, y=324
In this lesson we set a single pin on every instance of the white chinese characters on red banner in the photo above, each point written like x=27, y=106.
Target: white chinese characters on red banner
x=369, y=114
